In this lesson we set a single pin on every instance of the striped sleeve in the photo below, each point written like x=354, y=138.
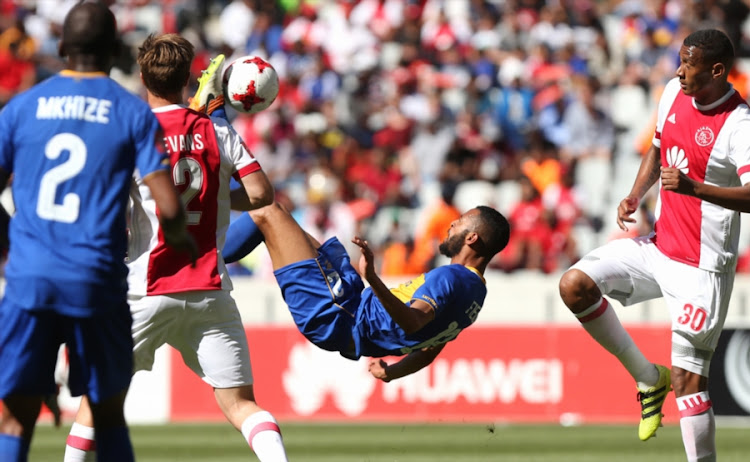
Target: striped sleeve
x=234, y=150
x=739, y=143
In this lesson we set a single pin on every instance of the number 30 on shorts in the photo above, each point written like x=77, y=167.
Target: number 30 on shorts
x=693, y=317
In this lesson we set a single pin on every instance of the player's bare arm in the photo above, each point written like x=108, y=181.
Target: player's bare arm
x=257, y=191
x=409, y=364
x=648, y=173
x=409, y=318
x=733, y=198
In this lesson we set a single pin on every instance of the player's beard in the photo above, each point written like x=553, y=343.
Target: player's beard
x=452, y=245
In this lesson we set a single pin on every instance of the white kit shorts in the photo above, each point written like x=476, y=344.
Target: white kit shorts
x=634, y=270
x=204, y=326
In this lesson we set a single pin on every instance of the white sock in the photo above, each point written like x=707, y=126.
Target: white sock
x=698, y=427
x=601, y=322
x=261, y=431
x=81, y=445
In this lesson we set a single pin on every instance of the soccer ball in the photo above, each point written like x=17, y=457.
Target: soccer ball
x=250, y=84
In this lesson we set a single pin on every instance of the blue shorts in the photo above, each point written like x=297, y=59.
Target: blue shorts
x=100, y=351
x=323, y=296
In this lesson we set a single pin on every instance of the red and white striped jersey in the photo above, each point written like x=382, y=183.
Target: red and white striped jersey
x=710, y=144
x=205, y=153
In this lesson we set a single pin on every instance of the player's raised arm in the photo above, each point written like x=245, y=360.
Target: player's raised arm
x=409, y=318
x=257, y=191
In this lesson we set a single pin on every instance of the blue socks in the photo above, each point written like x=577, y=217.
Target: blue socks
x=13, y=448
x=242, y=237
x=220, y=112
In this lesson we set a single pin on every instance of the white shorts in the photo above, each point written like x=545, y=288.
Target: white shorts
x=204, y=326
x=634, y=270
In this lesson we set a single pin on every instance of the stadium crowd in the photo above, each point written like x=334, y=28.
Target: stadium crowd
x=395, y=116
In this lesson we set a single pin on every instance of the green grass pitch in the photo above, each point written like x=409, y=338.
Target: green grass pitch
x=409, y=443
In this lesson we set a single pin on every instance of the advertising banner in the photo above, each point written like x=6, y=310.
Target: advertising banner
x=488, y=374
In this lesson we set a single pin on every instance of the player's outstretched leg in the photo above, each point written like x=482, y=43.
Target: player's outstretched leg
x=652, y=400
x=209, y=97
x=584, y=299
x=286, y=241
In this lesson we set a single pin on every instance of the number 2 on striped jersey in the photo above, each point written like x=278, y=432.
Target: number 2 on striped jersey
x=188, y=170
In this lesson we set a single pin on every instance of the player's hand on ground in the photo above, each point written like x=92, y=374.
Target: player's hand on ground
x=673, y=179
x=367, y=260
x=627, y=207
x=377, y=369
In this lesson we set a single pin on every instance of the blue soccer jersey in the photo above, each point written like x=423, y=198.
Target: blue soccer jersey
x=328, y=302
x=455, y=292
x=72, y=144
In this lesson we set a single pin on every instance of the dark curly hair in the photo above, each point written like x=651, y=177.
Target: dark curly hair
x=493, y=229
x=714, y=44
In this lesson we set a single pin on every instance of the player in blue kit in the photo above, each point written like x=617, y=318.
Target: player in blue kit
x=72, y=144
x=327, y=298
x=331, y=307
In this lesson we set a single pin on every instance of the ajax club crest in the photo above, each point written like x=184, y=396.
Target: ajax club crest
x=704, y=136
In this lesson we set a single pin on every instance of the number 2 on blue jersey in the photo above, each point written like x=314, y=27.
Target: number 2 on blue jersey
x=46, y=206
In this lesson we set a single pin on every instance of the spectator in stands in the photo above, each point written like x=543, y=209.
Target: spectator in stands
x=437, y=220
x=236, y=24
x=398, y=252
x=541, y=164
x=513, y=109
x=550, y=104
x=563, y=204
x=530, y=232
x=19, y=72
x=265, y=36
x=437, y=62
x=591, y=132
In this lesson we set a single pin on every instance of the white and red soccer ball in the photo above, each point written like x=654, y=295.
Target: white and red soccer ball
x=250, y=84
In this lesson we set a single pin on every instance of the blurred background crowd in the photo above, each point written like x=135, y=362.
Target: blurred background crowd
x=394, y=116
